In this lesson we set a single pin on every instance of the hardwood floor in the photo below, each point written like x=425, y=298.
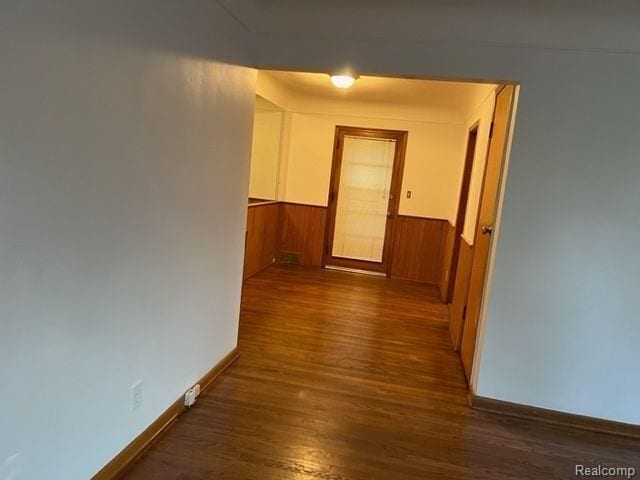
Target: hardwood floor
x=344, y=376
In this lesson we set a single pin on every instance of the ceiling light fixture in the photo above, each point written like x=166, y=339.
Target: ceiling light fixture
x=343, y=80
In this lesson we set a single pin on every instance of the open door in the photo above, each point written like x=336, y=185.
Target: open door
x=484, y=225
x=365, y=187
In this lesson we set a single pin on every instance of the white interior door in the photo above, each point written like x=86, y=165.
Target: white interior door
x=363, y=198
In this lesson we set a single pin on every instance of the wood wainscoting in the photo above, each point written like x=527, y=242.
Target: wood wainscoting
x=460, y=290
x=446, y=257
x=302, y=230
x=261, y=247
x=420, y=248
x=417, y=248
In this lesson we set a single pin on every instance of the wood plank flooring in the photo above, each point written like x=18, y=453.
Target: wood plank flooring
x=344, y=376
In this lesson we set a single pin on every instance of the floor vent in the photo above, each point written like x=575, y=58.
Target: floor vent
x=290, y=257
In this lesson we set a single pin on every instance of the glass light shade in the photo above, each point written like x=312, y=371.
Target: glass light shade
x=342, y=81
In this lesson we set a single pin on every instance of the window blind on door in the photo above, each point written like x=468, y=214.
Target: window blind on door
x=363, y=198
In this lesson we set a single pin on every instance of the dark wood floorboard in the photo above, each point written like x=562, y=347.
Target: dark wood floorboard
x=344, y=376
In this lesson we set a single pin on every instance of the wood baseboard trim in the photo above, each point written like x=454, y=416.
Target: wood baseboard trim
x=259, y=270
x=421, y=282
x=218, y=369
x=554, y=417
x=123, y=460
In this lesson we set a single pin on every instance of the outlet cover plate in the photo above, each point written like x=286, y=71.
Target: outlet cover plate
x=136, y=395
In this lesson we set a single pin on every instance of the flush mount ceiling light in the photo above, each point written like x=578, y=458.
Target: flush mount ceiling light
x=343, y=80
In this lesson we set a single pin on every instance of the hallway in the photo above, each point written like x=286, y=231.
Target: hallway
x=344, y=376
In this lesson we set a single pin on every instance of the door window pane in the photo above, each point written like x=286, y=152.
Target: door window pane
x=363, y=198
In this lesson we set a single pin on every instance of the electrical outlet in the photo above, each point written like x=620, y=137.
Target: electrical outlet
x=192, y=395
x=408, y=193
x=136, y=395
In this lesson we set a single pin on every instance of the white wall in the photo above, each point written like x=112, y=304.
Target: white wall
x=125, y=138
x=562, y=329
x=431, y=161
x=265, y=154
x=482, y=116
x=124, y=151
x=435, y=148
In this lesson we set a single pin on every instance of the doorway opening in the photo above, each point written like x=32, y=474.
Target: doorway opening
x=487, y=215
x=395, y=177
x=365, y=187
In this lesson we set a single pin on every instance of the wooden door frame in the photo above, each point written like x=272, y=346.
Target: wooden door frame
x=463, y=202
x=497, y=213
x=400, y=136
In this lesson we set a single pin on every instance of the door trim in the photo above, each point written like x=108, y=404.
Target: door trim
x=400, y=136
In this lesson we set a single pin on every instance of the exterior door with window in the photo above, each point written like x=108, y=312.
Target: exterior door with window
x=363, y=200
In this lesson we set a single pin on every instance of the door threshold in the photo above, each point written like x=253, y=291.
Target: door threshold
x=355, y=270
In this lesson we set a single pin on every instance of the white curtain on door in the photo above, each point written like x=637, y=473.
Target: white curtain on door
x=363, y=198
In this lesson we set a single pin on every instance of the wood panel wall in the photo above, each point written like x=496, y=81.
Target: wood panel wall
x=261, y=247
x=417, y=249
x=302, y=231
x=421, y=246
x=460, y=291
x=446, y=256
